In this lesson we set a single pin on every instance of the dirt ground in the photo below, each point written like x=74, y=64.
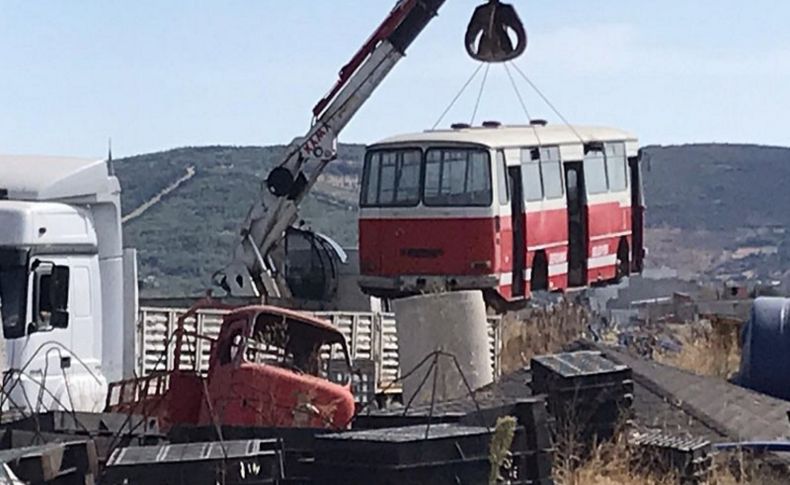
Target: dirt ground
x=710, y=348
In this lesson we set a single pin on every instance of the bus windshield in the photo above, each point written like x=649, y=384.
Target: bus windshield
x=391, y=178
x=443, y=177
x=457, y=177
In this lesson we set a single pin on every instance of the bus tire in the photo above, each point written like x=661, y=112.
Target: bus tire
x=539, y=280
x=623, y=260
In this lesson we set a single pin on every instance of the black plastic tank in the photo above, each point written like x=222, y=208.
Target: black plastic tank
x=765, y=361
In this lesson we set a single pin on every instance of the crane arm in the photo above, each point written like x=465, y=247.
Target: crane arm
x=252, y=271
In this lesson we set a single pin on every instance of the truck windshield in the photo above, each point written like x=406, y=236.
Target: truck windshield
x=13, y=289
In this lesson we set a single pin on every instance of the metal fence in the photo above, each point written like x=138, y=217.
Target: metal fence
x=371, y=336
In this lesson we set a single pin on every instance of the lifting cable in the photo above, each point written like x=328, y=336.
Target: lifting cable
x=546, y=100
x=519, y=96
x=480, y=94
x=523, y=104
x=458, y=95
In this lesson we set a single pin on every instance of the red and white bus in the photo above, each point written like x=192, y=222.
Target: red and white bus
x=506, y=209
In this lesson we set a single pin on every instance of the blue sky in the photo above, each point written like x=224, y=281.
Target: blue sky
x=156, y=74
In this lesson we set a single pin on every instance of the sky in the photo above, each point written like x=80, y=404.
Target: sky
x=154, y=75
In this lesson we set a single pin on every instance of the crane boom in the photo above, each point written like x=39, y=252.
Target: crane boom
x=252, y=271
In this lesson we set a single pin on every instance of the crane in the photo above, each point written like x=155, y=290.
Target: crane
x=253, y=271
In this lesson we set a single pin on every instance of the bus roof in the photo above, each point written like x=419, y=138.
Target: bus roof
x=515, y=136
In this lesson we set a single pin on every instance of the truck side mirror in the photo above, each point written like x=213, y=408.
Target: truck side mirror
x=50, y=296
x=59, y=319
x=59, y=288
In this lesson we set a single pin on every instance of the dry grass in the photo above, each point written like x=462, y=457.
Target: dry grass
x=619, y=464
x=538, y=331
x=609, y=464
x=708, y=349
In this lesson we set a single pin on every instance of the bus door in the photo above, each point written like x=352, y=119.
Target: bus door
x=519, y=229
x=577, y=224
x=637, y=215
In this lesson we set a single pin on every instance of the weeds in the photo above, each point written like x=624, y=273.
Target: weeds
x=708, y=349
x=539, y=331
x=501, y=441
x=618, y=463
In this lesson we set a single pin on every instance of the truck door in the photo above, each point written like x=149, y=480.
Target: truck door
x=577, y=224
x=519, y=229
x=637, y=215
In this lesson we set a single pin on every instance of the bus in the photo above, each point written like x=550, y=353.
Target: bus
x=508, y=210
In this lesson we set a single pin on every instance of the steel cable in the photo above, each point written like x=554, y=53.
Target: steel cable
x=547, y=101
x=480, y=94
x=458, y=95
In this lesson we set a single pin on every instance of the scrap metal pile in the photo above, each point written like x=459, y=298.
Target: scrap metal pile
x=598, y=390
x=258, y=414
x=447, y=442
x=589, y=395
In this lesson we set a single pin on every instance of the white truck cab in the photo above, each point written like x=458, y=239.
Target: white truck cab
x=67, y=304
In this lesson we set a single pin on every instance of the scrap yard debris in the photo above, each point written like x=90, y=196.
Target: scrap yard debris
x=563, y=407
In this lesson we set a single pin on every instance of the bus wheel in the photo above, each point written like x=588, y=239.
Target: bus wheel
x=539, y=280
x=623, y=261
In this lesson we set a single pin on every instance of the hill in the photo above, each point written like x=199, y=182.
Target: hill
x=719, y=210
x=713, y=210
x=717, y=187
x=191, y=232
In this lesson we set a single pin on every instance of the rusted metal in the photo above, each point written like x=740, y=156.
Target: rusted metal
x=264, y=370
x=229, y=462
x=297, y=444
x=105, y=430
x=589, y=395
x=450, y=454
x=488, y=34
x=372, y=339
x=688, y=458
x=70, y=462
x=205, y=303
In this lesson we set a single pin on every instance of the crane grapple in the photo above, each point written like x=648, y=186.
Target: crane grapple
x=488, y=34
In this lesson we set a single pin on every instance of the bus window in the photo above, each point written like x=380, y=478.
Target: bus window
x=573, y=186
x=551, y=172
x=595, y=173
x=530, y=175
x=457, y=177
x=501, y=179
x=552, y=178
x=616, y=166
x=391, y=178
x=370, y=180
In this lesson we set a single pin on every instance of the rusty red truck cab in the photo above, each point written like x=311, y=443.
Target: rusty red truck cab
x=266, y=368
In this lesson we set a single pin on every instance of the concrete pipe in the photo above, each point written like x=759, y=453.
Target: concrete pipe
x=454, y=323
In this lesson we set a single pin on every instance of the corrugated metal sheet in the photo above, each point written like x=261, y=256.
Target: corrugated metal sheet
x=155, y=329
x=370, y=336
